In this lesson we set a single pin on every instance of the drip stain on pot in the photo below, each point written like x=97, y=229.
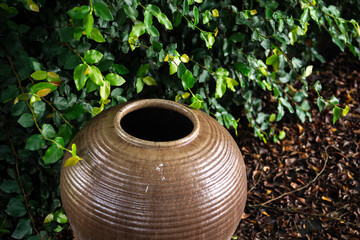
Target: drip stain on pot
x=156, y=124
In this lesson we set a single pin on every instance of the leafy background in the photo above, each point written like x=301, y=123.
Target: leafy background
x=63, y=62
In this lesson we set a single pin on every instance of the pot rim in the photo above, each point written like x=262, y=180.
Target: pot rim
x=156, y=103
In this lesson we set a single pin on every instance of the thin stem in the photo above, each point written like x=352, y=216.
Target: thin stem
x=303, y=187
x=62, y=116
x=19, y=178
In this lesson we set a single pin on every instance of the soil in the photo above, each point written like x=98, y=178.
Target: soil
x=307, y=186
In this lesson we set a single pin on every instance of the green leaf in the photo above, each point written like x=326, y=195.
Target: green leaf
x=78, y=32
x=153, y=31
x=143, y=70
x=299, y=96
x=19, y=108
x=334, y=100
x=26, y=120
x=320, y=103
x=162, y=18
x=339, y=43
x=197, y=102
x=173, y=68
x=115, y=79
x=36, y=89
x=153, y=9
x=282, y=135
x=49, y=218
x=272, y=5
x=79, y=12
x=308, y=70
x=207, y=17
x=138, y=30
x=97, y=36
x=39, y=75
x=48, y=131
x=91, y=86
x=220, y=87
x=139, y=85
x=93, y=56
x=185, y=7
x=196, y=15
x=102, y=10
x=300, y=113
x=292, y=37
x=52, y=154
x=281, y=112
x=297, y=63
x=272, y=117
x=105, y=90
x=231, y=83
x=60, y=217
x=23, y=229
x=79, y=76
x=239, y=66
x=318, y=86
x=96, y=76
x=74, y=112
x=73, y=150
x=237, y=37
x=181, y=70
x=305, y=16
x=286, y=104
x=39, y=107
x=130, y=12
x=9, y=93
x=120, y=69
x=336, y=114
x=10, y=186
x=65, y=132
x=35, y=142
x=88, y=23
x=16, y=207
x=272, y=59
x=71, y=61
x=149, y=81
x=222, y=72
x=187, y=80
x=346, y=110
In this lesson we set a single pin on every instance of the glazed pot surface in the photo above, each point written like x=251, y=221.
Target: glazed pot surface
x=154, y=169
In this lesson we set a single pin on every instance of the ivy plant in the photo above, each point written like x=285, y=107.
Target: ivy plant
x=64, y=62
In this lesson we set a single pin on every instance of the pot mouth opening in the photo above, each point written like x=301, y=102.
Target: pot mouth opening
x=155, y=122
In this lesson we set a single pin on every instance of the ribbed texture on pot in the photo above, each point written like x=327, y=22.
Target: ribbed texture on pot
x=121, y=190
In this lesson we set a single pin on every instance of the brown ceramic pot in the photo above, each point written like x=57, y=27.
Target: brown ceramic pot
x=154, y=169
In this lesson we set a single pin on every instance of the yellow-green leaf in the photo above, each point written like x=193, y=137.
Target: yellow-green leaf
x=34, y=7
x=39, y=75
x=230, y=83
x=49, y=218
x=149, y=81
x=184, y=58
x=345, y=110
x=71, y=161
x=52, y=75
x=215, y=13
x=43, y=92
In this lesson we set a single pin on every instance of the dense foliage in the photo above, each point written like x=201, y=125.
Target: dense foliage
x=63, y=62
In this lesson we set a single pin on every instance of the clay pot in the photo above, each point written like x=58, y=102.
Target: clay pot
x=154, y=169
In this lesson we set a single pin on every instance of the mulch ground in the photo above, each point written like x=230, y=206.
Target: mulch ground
x=307, y=186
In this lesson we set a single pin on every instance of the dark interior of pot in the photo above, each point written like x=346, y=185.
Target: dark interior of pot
x=156, y=124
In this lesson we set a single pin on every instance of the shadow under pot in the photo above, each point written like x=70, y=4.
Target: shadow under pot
x=154, y=169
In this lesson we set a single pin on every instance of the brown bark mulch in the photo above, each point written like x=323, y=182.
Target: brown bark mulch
x=307, y=186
